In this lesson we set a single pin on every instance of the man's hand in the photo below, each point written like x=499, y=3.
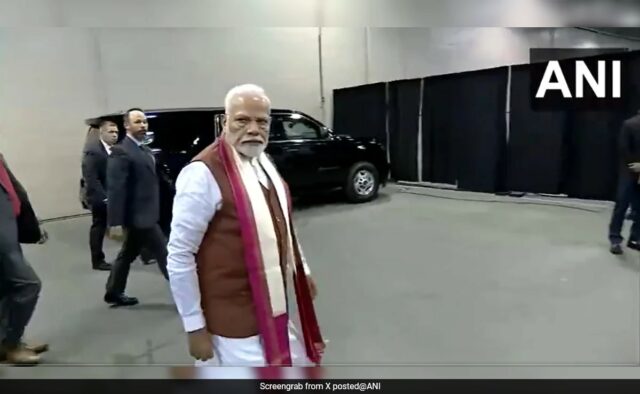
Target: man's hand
x=635, y=167
x=312, y=287
x=44, y=237
x=116, y=233
x=200, y=345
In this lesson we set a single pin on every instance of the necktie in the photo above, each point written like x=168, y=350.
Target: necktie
x=5, y=181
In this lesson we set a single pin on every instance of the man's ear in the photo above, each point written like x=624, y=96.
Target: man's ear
x=225, y=119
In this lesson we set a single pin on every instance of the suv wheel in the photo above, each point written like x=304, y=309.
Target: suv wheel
x=362, y=183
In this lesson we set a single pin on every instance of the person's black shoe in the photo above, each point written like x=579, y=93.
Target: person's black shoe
x=101, y=266
x=633, y=245
x=616, y=249
x=120, y=300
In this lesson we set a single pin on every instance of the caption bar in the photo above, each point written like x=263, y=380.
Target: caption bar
x=322, y=386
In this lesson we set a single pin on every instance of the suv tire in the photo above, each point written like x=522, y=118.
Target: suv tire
x=362, y=183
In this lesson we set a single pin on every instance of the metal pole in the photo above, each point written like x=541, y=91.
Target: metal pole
x=366, y=54
x=420, y=101
x=387, y=109
x=508, y=106
x=321, y=77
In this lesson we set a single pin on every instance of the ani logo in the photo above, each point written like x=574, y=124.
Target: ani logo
x=577, y=79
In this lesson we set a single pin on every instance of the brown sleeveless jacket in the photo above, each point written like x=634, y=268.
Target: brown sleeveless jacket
x=224, y=283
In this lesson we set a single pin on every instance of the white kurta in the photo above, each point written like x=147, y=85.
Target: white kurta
x=197, y=199
x=248, y=352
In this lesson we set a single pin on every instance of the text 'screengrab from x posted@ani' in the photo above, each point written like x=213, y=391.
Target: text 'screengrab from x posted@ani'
x=322, y=386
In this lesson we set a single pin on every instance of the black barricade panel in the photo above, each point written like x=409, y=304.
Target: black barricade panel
x=466, y=142
x=360, y=111
x=633, y=74
x=592, y=155
x=464, y=129
x=593, y=163
x=438, y=152
x=535, y=143
x=404, y=112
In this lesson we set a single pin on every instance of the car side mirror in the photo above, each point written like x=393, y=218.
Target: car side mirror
x=149, y=137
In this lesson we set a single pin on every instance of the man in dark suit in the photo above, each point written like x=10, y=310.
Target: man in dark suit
x=94, y=173
x=94, y=178
x=628, y=187
x=19, y=284
x=133, y=206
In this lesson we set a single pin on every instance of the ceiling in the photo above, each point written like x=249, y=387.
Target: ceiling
x=632, y=33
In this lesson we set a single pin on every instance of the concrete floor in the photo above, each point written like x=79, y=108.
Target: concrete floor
x=407, y=279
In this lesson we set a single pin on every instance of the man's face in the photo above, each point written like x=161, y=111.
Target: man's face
x=109, y=133
x=247, y=124
x=137, y=125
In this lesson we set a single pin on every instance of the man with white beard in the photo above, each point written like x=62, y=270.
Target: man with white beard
x=234, y=261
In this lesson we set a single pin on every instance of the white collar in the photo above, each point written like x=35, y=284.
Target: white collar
x=139, y=143
x=106, y=146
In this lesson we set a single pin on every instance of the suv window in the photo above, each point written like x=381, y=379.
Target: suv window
x=294, y=127
x=181, y=131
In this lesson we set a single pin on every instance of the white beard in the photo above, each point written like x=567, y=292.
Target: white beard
x=251, y=150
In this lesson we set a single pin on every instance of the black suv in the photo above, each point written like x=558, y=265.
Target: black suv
x=310, y=156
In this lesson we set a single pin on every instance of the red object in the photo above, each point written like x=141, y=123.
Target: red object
x=273, y=330
x=6, y=183
x=313, y=341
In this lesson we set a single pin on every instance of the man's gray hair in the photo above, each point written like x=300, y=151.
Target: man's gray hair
x=243, y=89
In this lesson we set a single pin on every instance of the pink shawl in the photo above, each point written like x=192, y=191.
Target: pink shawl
x=263, y=262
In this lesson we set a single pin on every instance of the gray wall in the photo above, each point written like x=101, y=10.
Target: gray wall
x=54, y=77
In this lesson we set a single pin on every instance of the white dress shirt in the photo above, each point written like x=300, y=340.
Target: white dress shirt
x=139, y=143
x=107, y=147
x=197, y=199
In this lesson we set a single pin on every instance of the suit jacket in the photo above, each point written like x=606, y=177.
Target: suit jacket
x=629, y=143
x=94, y=173
x=27, y=222
x=133, y=193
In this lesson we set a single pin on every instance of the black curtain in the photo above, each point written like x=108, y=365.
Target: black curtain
x=404, y=107
x=360, y=111
x=464, y=129
x=633, y=82
x=535, y=148
x=464, y=132
x=592, y=157
x=438, y=148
